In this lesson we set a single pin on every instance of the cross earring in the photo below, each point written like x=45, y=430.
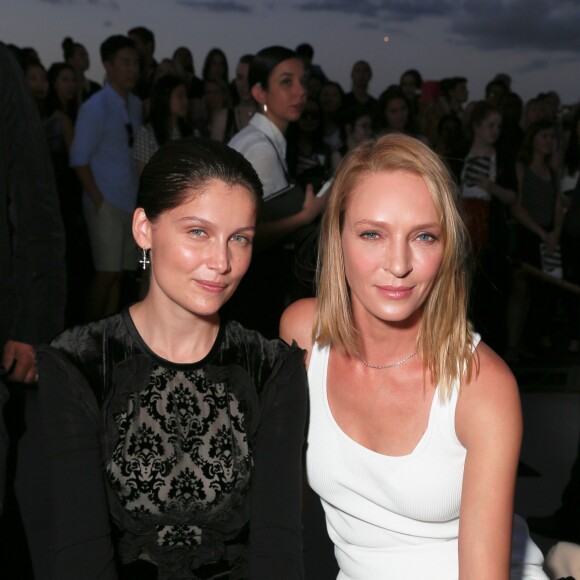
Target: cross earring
x=145, y=261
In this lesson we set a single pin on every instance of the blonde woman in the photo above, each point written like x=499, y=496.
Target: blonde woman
x=415, y=424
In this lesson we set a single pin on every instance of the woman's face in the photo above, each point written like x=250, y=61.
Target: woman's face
x=534, y=112
x=80, y=59
x=362, y=130
x=285, y=96
x=488, y=130
x=217, y=66
x=201, y=249
x=392, y=246
x=242, y=85
x=544, y=142
x=65, y=85
x=183, y=59
x=396, y=114
x=330, y=99
x=409, y=87
x=310, y=118
x=179, y=103
x=36, y=79
x=214, y=96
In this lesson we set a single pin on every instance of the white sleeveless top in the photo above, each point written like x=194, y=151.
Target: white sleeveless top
x=394, y=517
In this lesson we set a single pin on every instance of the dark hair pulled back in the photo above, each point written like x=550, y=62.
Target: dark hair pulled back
x=183, y=166
x=265, y=62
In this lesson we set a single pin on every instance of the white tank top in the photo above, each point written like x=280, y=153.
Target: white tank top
x=392, y=517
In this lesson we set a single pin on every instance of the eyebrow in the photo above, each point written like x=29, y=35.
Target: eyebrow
x=204, y=222
x=382, y=224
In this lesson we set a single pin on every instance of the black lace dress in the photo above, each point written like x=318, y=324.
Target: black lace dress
x=198, y=465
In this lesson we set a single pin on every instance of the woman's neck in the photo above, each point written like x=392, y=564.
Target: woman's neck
x=280, y=123
x=539, y=161
x=381, y=341
x=482, y=149
x=172, y=332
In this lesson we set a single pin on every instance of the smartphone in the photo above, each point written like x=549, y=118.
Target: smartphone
x=325, y=186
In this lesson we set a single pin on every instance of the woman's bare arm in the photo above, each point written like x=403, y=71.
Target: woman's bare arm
x=489, y=425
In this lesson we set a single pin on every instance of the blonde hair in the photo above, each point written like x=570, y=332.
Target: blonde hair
x=444, y=338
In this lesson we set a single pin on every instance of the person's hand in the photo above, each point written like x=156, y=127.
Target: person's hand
x=312, y=205
x=19, y=362
x=483, y=181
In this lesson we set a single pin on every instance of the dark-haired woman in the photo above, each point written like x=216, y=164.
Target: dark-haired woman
x=217, y=120
x=245, y=107
x=186, y=431
x=395, y=115
x=76, y=55
x=485, y=199
x=60, y=110
x=411, y=83
x=215, y=65
x=313, y=155
x=331, y=99
x=276, y=78
x=168, y=118
x=538, y=211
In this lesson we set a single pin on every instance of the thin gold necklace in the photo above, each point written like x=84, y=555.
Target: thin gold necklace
x=379, y=367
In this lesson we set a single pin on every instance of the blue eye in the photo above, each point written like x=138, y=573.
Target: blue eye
x=241, y=239
x=197, y=232
x=426, y=237
x=369, y=235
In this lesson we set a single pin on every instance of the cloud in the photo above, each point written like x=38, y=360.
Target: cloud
x=510, y=24
x=401, y=10
x=543, y=63
x=217, y=5
x=113, y=4
x=361, y=7
x=550, y=25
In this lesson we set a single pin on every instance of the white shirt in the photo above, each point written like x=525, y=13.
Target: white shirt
x=264, y=146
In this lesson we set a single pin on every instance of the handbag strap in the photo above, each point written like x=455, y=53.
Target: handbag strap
x=282, y=164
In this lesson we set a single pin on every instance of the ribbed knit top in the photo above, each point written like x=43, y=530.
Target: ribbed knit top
x=392, y=517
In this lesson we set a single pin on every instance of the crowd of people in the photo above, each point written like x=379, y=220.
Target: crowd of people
x=492, y=146
x=396, y=238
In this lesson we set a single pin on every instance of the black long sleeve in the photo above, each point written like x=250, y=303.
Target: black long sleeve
x=32, y=268
x=275, y=516
x=83, y=546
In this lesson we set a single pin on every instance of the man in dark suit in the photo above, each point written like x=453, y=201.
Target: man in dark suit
x=32, y=297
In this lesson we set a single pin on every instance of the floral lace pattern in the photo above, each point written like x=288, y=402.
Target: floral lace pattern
x=182, y=450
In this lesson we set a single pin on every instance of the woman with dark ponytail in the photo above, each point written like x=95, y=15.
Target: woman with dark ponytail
x=76, y=55
x=168, y=118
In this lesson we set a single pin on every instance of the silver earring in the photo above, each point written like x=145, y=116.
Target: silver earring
x=265, y=108
x=145, y=261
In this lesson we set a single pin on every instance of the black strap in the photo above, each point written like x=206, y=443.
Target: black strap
x=282, y=164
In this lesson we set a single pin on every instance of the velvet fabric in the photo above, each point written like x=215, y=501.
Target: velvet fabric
x=91, y=374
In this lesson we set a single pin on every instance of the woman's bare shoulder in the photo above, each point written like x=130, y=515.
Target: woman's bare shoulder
x=490, y=400
x=297, y=322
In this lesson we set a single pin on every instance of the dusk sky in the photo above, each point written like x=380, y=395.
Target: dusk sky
x=537, y=42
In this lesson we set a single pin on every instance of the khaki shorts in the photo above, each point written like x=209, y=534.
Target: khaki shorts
x=111, y=236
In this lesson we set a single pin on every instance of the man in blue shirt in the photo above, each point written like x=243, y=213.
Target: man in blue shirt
x=102, y=155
